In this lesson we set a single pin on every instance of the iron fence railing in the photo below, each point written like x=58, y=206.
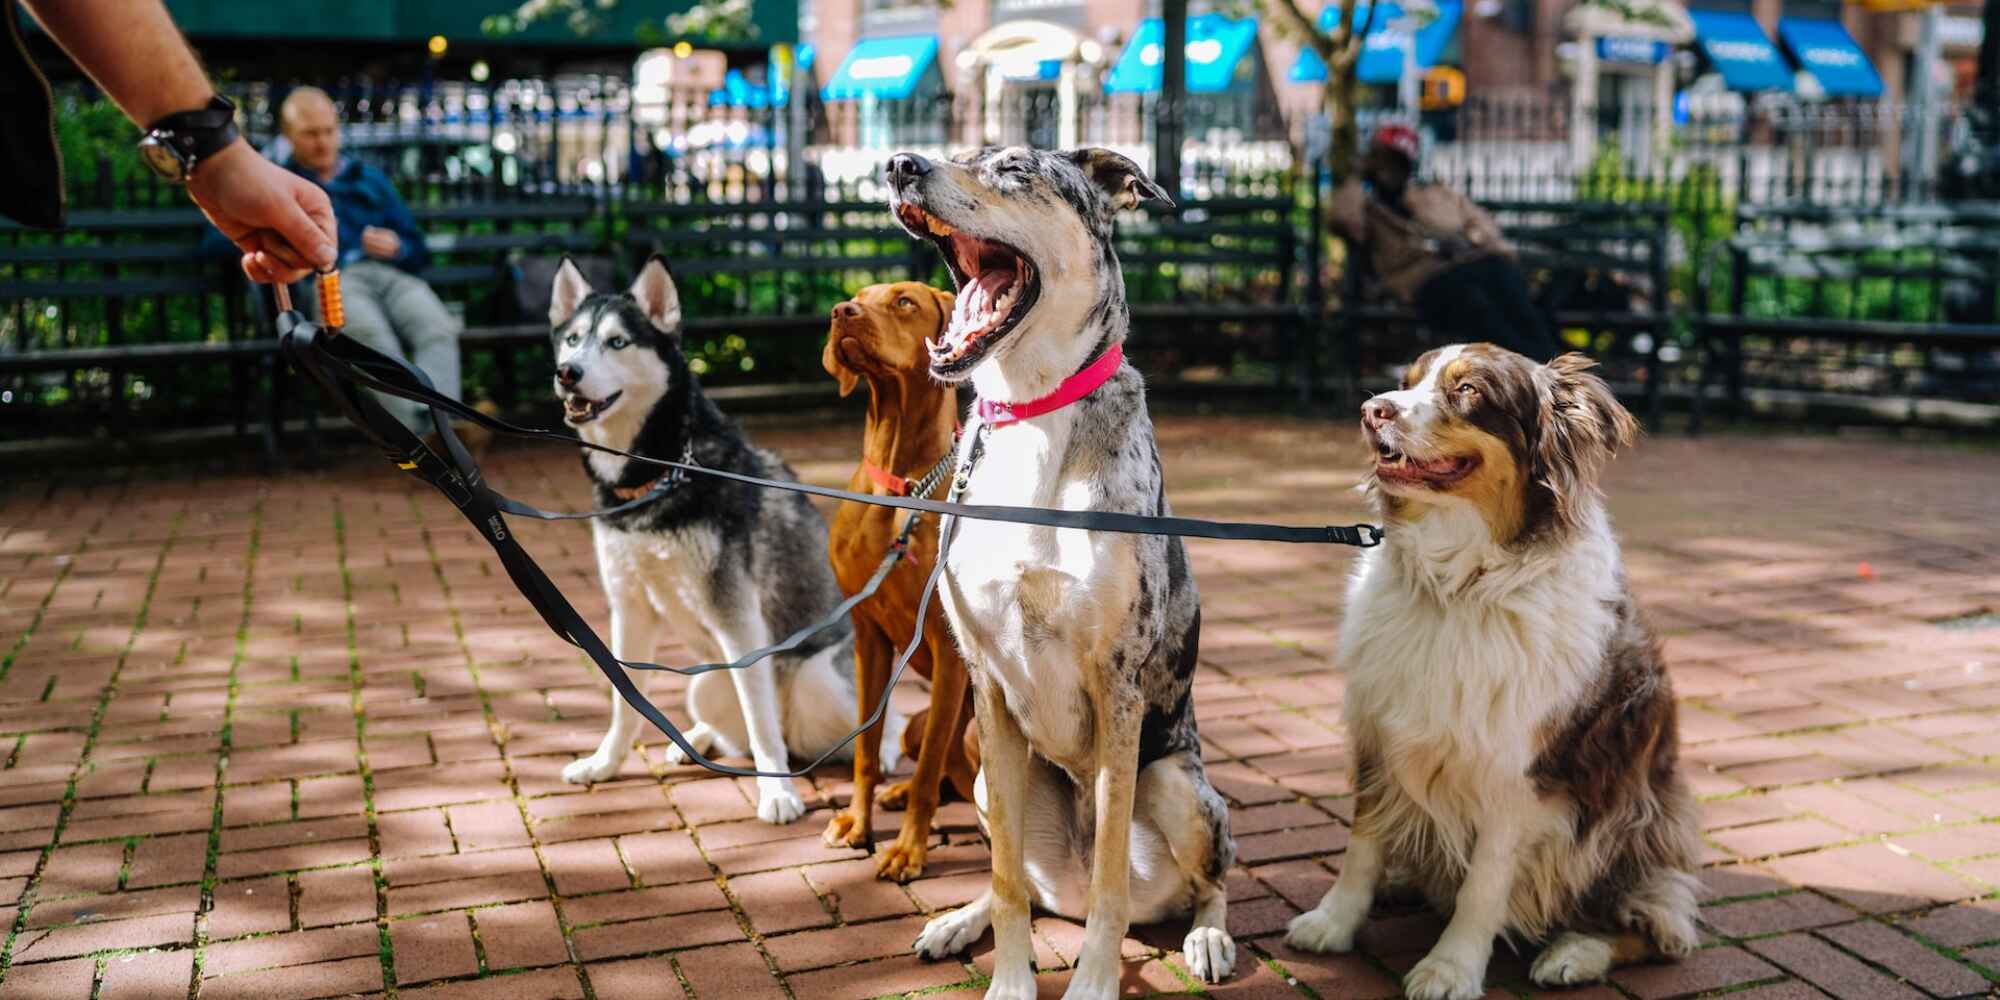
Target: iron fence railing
x=776, y=214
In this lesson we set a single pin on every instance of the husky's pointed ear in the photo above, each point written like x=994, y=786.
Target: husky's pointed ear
x=1122, y=181
x=655, y=292
x=570, y=290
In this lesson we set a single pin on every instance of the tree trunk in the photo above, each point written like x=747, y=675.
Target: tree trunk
x=1343, y=130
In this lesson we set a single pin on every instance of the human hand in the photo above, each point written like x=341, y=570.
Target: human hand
x=282, y=222
x=382, y=244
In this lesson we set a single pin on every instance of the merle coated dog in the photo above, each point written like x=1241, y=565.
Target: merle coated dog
x=730, y=567
x=1081, y=644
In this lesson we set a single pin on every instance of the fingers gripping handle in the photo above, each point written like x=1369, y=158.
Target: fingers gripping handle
x=332, y=313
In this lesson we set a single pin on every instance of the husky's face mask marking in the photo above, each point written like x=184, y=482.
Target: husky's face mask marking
x=615, y=354
x=1026, y=235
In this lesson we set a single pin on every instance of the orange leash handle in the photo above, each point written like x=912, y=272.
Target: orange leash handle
x=331, y=313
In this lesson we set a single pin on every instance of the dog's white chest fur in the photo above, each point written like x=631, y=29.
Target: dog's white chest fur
x=1020, y=595
x=1457, y=654
x=670, y=570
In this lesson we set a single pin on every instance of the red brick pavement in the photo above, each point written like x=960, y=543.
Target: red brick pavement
x=298, y=737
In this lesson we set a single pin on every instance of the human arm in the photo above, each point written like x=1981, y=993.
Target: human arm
x=1347, y=209
x=281, y=223
x=1481, y=230
x=411, y=251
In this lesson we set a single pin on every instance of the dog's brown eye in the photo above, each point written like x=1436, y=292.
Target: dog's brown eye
x=1467, y=389
x=903, y=302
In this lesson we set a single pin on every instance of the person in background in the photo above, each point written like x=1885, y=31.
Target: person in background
x=282, y=226
x=1431, y=247
x=389, y=306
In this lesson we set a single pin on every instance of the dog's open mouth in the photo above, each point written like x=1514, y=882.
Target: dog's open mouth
x=1393, y=466
x=997, y=286
x=581, y=409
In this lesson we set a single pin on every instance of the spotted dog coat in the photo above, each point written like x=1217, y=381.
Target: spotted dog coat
x=1082, y=645
x=1510, y=715
x=728, y=566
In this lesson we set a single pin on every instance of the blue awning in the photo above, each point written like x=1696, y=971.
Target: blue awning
x=738, y=92
x=1215, y=46
x=885, y=68
x=1828, y=52
x=1382, y=51
x=1738, y=49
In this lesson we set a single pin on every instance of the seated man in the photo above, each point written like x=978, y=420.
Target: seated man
x=1437, y=251
x=389, y=308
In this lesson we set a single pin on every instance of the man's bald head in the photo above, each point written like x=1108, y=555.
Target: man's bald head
x=309, y=122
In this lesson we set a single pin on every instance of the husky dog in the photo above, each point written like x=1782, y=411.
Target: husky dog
x=1081, y=644
x=1511, y=716
x=729, y=566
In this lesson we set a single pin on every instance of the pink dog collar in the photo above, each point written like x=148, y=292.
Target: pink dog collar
x=993, y=413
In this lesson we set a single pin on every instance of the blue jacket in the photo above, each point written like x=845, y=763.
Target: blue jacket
x=362, y=196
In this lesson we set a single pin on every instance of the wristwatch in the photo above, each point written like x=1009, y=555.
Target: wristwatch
x=176, y=145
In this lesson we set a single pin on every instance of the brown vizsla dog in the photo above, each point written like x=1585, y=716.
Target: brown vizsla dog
x=878, y=336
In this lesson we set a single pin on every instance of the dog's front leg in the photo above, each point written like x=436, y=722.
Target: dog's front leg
x=1331, y=925
x=1456, y=968
x=635, y=633
x=757, y=697
x=873, y=651
x=1109, y=916
x=1004, y=758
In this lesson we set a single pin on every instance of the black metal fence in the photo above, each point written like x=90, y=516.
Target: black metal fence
x=1698, y=262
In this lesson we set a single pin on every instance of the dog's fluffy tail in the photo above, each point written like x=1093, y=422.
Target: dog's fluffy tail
x=820, y=709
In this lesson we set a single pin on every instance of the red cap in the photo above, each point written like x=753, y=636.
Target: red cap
x=1399, y=137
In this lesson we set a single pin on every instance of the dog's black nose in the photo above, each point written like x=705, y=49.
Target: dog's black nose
x=1378, y=412
x=908, y=166
x=569, y=375
x=848, y=310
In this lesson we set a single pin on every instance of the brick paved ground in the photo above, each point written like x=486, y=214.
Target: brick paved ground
x=297, y=737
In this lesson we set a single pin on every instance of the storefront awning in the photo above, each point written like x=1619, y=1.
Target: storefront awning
x=1825, y=49
x=1215, y=46
x=1739, y=50
x=884, y=68
x=738, y=92
x=1382, y=52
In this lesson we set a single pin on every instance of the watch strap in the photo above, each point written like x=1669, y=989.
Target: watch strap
x=199, y=134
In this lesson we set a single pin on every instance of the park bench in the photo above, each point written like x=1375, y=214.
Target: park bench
x=90, y=312
x=1603, y=272
x=1838, y=301
x=1214, y=281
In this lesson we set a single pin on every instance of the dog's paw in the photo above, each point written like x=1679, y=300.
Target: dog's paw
x=1572, y=959
x=779, y=807
x=590, y=770
x=846, y=829
x=700, y=737
x=952, y=933
x=1438, y=978
x=1210, y=954
x=1320, y=931
x=902, y=860
x=894, y=795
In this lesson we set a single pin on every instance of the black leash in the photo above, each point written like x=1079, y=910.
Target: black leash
x=355, y=362
x=344, y=367
x=458, y=478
